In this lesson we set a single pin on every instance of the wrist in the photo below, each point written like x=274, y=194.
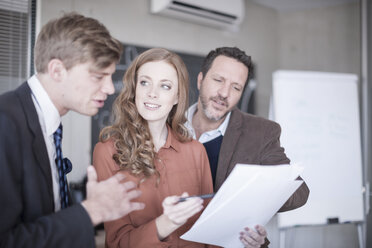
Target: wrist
x=95, y=217
x=165, y=226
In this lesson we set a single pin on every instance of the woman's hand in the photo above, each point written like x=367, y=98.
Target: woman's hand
x=175, y=213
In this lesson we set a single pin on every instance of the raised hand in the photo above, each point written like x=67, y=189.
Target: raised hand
x=109, y=199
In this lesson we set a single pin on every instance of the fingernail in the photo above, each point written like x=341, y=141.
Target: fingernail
x=247, y=229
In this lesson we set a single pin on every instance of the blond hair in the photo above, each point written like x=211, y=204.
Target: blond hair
x=75, y=39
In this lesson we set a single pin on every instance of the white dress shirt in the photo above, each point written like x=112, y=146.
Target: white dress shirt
x=209, y=135
x=49, y=119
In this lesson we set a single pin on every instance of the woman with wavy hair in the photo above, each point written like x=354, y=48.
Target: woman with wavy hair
x=150, y=145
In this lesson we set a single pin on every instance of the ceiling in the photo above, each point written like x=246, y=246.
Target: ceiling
x=290, y=5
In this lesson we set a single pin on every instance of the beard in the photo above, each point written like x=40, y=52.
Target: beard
x=208, y=111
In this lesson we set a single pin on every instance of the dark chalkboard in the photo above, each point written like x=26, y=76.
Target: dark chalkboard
x=103, y=117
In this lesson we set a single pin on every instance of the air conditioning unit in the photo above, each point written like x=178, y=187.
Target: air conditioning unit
x=225, y=14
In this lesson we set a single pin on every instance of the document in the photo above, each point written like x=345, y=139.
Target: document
x=251, y=195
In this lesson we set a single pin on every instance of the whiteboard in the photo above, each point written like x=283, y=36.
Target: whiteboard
x=319, y=116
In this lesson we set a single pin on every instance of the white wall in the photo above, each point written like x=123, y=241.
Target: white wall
x=319, y=39
x=325, y=39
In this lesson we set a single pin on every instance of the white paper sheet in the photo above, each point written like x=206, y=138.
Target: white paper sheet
x=251, y=195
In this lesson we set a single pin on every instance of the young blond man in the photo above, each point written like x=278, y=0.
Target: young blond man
x=75, y=57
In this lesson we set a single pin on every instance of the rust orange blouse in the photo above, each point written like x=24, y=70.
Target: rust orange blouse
x=183, y=167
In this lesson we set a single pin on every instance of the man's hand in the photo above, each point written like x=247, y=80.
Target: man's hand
x=176, y=213
x=110, y=199
x=253, y=238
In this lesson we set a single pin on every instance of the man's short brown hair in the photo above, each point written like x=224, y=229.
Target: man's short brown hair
x=76, y=39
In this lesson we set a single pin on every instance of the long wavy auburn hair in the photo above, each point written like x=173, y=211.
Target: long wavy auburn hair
x=130, y=132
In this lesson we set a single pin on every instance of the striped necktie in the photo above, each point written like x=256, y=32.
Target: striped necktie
x=63, y=166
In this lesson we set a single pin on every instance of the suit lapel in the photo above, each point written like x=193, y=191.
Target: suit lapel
x=229, y=142
x=38, y=142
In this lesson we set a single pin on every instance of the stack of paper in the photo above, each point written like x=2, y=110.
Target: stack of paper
x=251, y=195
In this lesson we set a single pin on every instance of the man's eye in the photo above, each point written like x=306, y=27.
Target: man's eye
x=218, y=80
x=237, y=88
x=98, y=77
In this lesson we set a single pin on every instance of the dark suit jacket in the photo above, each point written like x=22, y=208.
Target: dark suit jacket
x=254, y=140
x=27, y=217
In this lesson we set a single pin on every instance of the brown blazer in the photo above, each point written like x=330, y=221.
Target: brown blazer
x=254, y=140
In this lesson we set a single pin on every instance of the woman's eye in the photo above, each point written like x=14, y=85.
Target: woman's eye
x=144, y=83
x=165, y=86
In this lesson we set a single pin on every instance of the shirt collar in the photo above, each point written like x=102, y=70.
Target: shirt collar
x=221, y=130
x=50, y=113
x=172, y=140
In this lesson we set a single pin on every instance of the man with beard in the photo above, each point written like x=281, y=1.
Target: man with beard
x=231, y=136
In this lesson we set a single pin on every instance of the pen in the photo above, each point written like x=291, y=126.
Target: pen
x=182, y=199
